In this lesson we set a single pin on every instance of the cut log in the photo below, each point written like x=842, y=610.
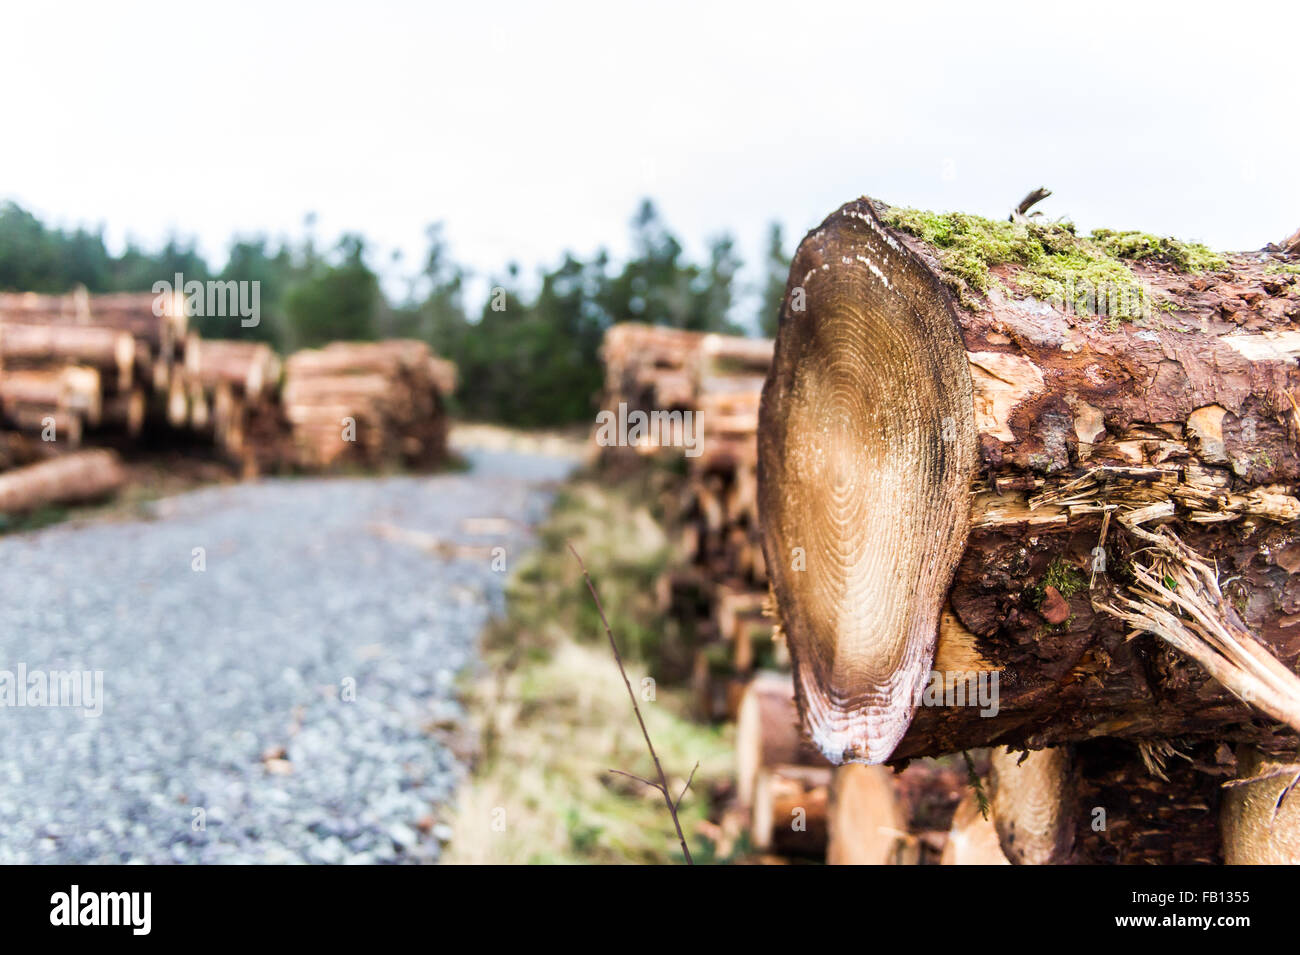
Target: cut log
x=129, y=312
x=1260, y=812
x=23, y=346
x=1003, y=458
x=973, y=840
x=60, y=429
x=251, y=367
x=865, y=823
x=178, y=399
x=1033, y=808
x=71, y=478
x=767, y=733
x=789, y=812
x=69, y=389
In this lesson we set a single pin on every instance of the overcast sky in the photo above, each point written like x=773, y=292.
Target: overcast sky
x=534, y=128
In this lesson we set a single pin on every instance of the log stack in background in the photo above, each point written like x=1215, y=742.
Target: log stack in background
x=122, y=370
x=718, y=588
x=121, y=367
x=719, y=524
x=84, y=362
x=649, y=367
x=1100, y=512
x=368, y=404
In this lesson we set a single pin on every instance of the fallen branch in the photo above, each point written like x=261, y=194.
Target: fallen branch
x=662, y=785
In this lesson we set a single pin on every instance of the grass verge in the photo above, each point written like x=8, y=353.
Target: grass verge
x=551, y=710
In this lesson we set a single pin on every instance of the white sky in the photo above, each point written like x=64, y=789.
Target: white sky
x=532, y=128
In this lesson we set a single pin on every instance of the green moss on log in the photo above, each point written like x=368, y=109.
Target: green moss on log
x=1065, y=577
x=1089, y=275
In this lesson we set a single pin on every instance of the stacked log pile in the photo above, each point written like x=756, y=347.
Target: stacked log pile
x=121, y=370
x=230, y=390
x=368, y=404
x=649, y=367
x=115, y=366
x=75, y=363
x=1092, y=515
x=719, y=587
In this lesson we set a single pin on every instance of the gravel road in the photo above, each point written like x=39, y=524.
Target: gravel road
x=277, y=705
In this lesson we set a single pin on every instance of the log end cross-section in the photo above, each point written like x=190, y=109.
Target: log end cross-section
x=866, y=455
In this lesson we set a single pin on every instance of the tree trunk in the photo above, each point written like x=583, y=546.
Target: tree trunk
x=83, y=476
x=980, y=490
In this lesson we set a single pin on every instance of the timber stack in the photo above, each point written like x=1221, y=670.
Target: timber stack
x=124, y=371
x=121, y=368
x=1033, y=491
x=368, y=404
x=718, y=587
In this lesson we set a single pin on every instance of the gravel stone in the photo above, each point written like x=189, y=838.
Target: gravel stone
x=274, y=707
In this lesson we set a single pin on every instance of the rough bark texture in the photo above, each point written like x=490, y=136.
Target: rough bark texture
x=1190, y=409
x=1149, y=820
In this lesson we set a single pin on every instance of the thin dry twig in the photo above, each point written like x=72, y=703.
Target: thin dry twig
x=662, y=785
x=689, y=780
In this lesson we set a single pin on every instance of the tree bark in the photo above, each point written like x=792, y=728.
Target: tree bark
x=951, y=489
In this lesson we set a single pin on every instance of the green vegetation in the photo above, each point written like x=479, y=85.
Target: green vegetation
x=1185, y=256
x=1065, y=577
x=1086, y=274
x=553, y=712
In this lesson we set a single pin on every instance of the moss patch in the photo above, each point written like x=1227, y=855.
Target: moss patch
x=1136, y=246
x=1065, y=577
x=1088, y=275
